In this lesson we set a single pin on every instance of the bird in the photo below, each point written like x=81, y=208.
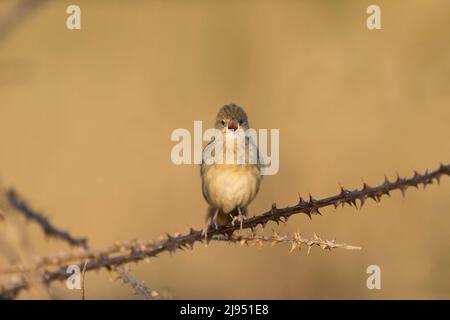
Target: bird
x=230, y=186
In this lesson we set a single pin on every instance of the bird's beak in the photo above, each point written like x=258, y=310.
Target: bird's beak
x=232, y=125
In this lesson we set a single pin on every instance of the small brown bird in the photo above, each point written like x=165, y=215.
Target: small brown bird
x=229, y=187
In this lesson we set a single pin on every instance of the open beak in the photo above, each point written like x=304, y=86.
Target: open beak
x=232, y=125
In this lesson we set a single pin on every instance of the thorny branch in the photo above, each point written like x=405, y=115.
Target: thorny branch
x=48, y=228
x=138, y=287
x=296, y=241
x=309, y=207
x=126, y=247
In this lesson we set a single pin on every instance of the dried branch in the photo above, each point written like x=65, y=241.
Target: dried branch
x=83, y=279
x=48, y=228
x=81, y=255
x=126, y=247
x=178, y=241
x=139, y=287
x=296, y=242
x=12, y=288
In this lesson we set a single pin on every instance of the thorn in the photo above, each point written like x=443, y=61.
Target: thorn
x=427, y=180
x=229, y=233
x=403, y=190
x=313, y=208
x=293, y=247
x=352, y=203
x=190, y=243
x=362, y=200
x=438, y=180
x=274, y=208
x=375, y=198
x=301, y=201
x=365, y=186
x=336, y=203
x=343, y=191
x=417, y=175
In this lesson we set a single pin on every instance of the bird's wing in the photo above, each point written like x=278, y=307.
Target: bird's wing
x=203, y=165
x=206, y=148
x=252, y=148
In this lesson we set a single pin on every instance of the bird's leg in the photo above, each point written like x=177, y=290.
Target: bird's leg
x=240, y=217
x=214, y=219
x=211, y=220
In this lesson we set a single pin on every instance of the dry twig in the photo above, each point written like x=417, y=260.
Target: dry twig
x=48, y=228
x=83, y=255
x=139, y=287
x=296, y=241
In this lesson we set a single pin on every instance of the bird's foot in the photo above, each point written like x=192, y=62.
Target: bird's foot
x=240, y=218
x=211, y=221
x=205, y=232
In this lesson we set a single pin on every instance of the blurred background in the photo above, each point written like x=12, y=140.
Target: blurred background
x=86, y=118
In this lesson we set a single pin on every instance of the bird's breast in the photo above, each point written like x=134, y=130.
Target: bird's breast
x=230, y=186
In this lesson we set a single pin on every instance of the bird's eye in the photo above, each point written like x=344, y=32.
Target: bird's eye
x=241, y=122
x=223, y=122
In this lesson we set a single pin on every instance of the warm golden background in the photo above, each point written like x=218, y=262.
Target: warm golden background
x=86, y=118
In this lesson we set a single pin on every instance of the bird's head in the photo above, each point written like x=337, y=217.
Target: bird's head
x=231, y=117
